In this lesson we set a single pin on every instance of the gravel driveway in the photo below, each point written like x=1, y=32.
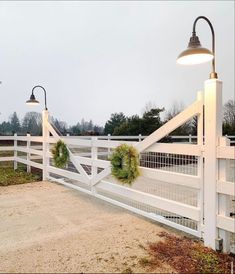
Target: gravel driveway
x=45, y=227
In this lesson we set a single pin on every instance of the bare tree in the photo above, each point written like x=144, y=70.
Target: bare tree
x=148, y=106
x=229, y=118
x=229, y=112
x=175, y=109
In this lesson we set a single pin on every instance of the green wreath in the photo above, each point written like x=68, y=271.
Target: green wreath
x=124, y=164
x=60, y=154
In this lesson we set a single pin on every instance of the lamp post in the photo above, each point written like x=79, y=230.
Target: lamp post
x=214, y=203
x=195, y=53
x=45, y=132
x=32, y=100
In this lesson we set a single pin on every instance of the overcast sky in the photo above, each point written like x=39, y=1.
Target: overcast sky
x=96, y=58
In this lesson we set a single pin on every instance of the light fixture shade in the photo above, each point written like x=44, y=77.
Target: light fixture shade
x=194, y=56
x=32, y=100
x=195, y=53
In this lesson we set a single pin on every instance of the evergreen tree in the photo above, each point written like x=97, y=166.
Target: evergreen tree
x=115, y=120
x=132, y=126
x=15, y=123
x=151, y=121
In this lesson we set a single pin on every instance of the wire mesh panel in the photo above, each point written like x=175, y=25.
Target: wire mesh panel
x=186, y=164
x=154, y=211
x=178, y=163
x=161, y=189
x=231, y=170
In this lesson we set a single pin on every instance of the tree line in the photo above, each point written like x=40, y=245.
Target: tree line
x=118, y=123
x=32, y=123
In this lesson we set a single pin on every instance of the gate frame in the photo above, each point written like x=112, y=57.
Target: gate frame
x=208, y=109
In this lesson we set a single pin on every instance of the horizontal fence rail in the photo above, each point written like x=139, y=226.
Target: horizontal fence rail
x=170, y=188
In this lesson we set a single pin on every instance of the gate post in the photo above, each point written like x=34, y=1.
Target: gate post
x=28, y=153
x=15, y=152
x=45, y=146
x=223, y=199
x=94, y=156
x=213, y=131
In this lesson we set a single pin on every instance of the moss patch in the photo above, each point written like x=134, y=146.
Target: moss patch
x=9, y=176
x=188, y=256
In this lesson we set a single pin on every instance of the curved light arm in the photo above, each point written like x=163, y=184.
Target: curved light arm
x=213, y=73
x=45, y=95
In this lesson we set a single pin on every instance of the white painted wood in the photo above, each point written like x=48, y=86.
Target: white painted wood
x=226, y=152
x=35, y=152
x=112, y=144
x=38, y=147
x=226, y=223
x=28, y=152
x=223, y=199
x=88, y=154
x=94, y=162
x=7, y=159
x=72, y=141
x=213, y=131
x=6, y=138
x=151, y=216
x=94, y=170
x=227, y=188
x=171, y=125
x=182, y=149
x=109, y=150
x=77, y=165
x=71, y=156
x=45, y=135
x=171, y=177
x=200, y=143
x=104, y=173
x=7, y=148
x=15, y=151
x=36, y=157
x=151, y=200
x=70, y=185
x=68, y=174
x=38, y=139
x=31, y=163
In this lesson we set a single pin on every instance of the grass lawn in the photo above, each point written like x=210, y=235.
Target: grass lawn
x=9, y=176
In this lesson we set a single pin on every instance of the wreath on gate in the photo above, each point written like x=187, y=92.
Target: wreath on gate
x=124, y=164
x=60, y=154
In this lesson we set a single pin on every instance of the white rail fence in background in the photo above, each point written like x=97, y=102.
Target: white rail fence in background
x=188, y=186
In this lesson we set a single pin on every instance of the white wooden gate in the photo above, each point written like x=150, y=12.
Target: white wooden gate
x=182, y=185
x=186, y=186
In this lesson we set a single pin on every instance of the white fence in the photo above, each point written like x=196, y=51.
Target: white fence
x=187, y=139
x=187, y=186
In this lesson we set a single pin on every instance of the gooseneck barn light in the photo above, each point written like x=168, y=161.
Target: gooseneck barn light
x=33, y=101
x=195, y=53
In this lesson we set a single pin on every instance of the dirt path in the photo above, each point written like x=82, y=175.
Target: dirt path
x=45, y=227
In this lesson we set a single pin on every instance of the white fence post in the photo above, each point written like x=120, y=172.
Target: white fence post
x=223, y=199
x=213, y=131
x=190, y=138
x=109, y=138
x=15, y=152
x=28, y=153
x=94, y=155
x=45, y=134
x=200, y=200
x=140, y=137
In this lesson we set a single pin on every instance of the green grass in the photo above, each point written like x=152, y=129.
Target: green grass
x=9, y=176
